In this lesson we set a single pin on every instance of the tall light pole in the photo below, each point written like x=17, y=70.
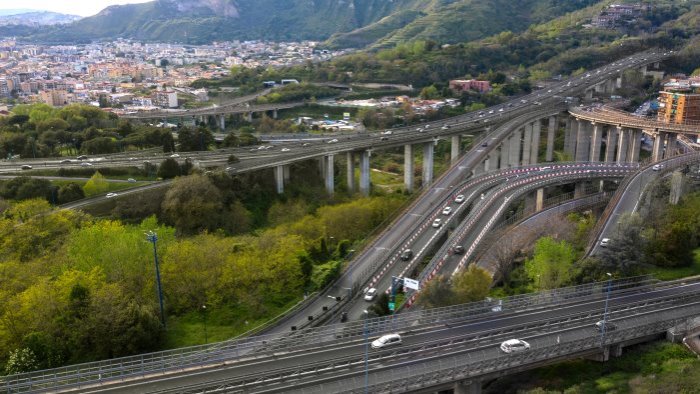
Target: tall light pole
x=153, y=238
x=605, y=312
x=366, y=314
x=204, y=312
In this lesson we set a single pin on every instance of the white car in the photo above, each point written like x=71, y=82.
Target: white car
x=131, y=180
x=604, y=242
x=445, y=127
x=514, y=345
x=284, y=150
x=86, y=164
x=437, y=223
x=370, y=294
x=110, y=195
x=447, y=210
x=388, y=132
x=657, y=167
x=174, y=155
x=460, y=199
x=386, y=340
x=333, y=141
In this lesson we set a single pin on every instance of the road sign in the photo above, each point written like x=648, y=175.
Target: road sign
x=392, y=306
x=411, y=283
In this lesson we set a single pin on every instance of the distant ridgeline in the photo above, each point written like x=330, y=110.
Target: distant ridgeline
x=351, y=23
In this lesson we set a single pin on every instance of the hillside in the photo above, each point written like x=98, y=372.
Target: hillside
x=355, y=23
x=37, y=18
x=458, y=21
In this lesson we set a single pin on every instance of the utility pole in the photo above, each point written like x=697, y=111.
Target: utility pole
x=153, y=238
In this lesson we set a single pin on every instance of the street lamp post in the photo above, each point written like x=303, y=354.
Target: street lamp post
x=605, y=312
x=204, y=313
x=366, y=314
x=153, y=238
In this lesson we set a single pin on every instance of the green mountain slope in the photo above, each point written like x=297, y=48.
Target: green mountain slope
x=461, y=21
x=355, y=23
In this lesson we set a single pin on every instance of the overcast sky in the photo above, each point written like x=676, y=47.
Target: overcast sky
x=73, y=7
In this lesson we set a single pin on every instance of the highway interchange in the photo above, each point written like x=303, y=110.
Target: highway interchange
x=365, y=269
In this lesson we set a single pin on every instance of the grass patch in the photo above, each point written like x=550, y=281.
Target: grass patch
x=221, y=324
x=664, y=273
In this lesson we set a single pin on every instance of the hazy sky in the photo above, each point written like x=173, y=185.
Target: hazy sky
x=73, y=7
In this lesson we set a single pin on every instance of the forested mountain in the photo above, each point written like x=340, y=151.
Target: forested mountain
x=355, y=23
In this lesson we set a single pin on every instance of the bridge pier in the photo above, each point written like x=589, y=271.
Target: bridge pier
x=329, y=174
x=454, y=151
x=222, y=122
x=579, y=189
x=535, y=146
x=570, y=132
x=514, y=144
x=350, y=159
x=622, y=145
x=635, y=145
x=505, y=154
x=428, y=151
x=658, y=149
x=539, y=200
x=671, y=139
x=279, y=179
x=551, y=134
x=364, y=172
x=467, y=387
x=274, y=114
x=408, y=178
x=596, y=141
x=610, y=144
x=583, y=141
x=491, y=162
x=589, y=94
x=527, y=144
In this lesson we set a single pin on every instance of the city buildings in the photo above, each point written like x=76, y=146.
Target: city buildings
x=463, y=85
x=679, y=102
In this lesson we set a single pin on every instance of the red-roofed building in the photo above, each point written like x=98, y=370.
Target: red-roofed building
x=463, y=85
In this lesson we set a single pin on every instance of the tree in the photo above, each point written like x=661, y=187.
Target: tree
x=625, y=251
x=21, y=360
x=96, y=185
x=437, y=292
x=70, y=192
x=25, y=188
x=193, y=204
x=429, y=93
x=471, y=285
x=169, y=168
x=197, y=139
x=550, y=265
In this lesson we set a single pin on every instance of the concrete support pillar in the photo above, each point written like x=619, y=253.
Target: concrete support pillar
x=322, y=166
x=455, y=149
x=579, y=189
x=468, y=387
x=610, y=144
x=596, y=141
x=505, y=154
x=551, y=134
x=583, y=141
x=570, y=132
x=279, y=178
x=527, y=144
x=535, y=147
x=514, y=144
x=539, y=200
x=350, y=159
x=364, y=173
x=408, y=167
x=658, y=149
x=249, y=117
x=274, y=114
x=428, y=150
x=286, y=173
x=670, y=145
x=635, y=145
x=589, y=94
x=622, y=145
x=491, y=162
x=330, y=175
x=222, y=122
x=618, y=83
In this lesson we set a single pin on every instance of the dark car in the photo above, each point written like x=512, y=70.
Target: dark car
x=343, y=317
x=406, y=255
x=82, y=157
